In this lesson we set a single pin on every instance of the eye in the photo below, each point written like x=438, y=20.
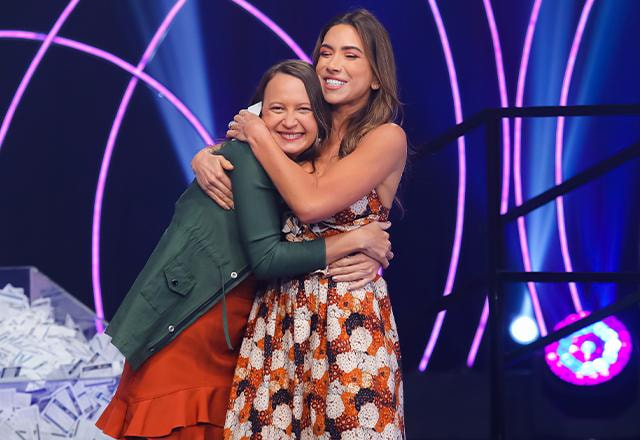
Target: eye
x=305, y=109
x=276, y=109
x=325, y=53
x=351, y=56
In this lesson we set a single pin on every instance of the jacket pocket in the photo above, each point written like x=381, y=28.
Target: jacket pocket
x=179, y=278
x=172, y=284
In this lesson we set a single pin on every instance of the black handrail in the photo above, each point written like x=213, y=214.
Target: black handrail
x=491, y=119
x=482, y=117
x=575, y=182
x=459, y=296
x=592, y=318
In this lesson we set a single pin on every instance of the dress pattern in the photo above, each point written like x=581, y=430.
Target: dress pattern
x=318, y=360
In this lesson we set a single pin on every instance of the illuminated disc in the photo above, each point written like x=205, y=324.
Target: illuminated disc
x=592, y=355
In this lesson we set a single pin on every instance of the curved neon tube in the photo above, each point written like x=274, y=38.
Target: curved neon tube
x=477, y=338
x=274, y=28
x=564, y=93
x=35, y=62
x=462, y=178
x=106, y=160
x=517, y=175
x=506, y=162
x=154, y=84
x=138, y=74
x=119, y=62
x=504, y=102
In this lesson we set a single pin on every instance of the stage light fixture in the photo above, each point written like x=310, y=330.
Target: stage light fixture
x=592, y=355
x=524, y=330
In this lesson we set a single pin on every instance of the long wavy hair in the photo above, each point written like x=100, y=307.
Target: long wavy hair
x=321, y=110
x=383, y=105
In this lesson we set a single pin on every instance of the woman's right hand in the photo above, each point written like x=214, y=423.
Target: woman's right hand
x=211, y=174
x=358, y=270
x=375, y=242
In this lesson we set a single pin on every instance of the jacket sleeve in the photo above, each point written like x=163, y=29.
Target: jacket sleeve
x=259, y=214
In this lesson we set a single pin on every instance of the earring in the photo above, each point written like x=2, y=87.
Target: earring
x=375, y=86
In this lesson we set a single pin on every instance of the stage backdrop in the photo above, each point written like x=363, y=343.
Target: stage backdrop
x=91, y=162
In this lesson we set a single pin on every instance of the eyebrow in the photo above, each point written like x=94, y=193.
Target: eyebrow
x=328, y=46
x=307, y=103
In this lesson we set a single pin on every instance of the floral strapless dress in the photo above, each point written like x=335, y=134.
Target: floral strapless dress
x=319, y=360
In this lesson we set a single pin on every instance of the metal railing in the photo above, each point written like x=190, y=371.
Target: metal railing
x=491, y=120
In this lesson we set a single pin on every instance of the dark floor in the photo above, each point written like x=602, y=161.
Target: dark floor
x=455, y=406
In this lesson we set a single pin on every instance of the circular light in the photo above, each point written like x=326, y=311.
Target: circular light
x=523, y=330
x=592, y=355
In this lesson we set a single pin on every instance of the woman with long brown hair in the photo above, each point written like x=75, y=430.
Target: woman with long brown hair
x=320, y=359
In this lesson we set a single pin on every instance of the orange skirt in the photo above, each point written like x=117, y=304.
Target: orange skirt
x=182, y=392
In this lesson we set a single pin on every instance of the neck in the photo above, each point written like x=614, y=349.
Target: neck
x=339, y=117
x=341, y=112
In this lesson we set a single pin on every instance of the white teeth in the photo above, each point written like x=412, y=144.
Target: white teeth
x=334, y=82
x=291, y=136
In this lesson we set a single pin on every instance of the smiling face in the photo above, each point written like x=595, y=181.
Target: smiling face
x=287, y=113
x=344, y=70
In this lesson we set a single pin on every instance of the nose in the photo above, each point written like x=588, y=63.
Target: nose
x=334, y=64
x=289, y=120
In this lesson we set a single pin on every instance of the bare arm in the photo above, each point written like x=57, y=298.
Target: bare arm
x=380, y=153
x=259, y=224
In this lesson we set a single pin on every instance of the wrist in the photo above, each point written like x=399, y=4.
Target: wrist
x=358, y=241
x=256, y=135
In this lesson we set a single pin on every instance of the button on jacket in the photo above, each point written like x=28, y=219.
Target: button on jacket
x=205, y=252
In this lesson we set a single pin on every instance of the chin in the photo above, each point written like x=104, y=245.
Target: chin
x=294, y=151
x=332, y=98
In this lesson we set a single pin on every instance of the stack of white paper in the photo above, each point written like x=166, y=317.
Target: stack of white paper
x=34, y=347
x=67, y=380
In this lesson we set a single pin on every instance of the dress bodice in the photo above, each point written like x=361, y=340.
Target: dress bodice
x=366, y=210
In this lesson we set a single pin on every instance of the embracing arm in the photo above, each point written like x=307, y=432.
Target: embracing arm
x=211, y=173
x=259, y=219
x=380, y=153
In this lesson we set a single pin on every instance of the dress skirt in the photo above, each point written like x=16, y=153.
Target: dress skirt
x=182, y=392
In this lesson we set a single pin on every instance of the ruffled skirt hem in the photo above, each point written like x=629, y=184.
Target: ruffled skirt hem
x=160, y=416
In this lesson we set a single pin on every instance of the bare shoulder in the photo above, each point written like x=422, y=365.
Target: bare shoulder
x=389, y=136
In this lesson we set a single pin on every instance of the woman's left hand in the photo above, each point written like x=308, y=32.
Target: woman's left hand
x=245, y=125
x=358, y=269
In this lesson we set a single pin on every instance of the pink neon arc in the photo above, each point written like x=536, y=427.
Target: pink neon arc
x=8, y=117
x=106, y=160
x=137, y=73
x=99, y=53
x=274, y=28
x=566, y=83
x=475, y=345
x=504, y=102
x=506, y=161
x=462, y=177
x=517, y=175
x=102, y=54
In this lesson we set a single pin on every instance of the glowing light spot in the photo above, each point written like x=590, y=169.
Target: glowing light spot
x=523, y=330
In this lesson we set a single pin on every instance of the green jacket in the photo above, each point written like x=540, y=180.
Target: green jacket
x=205, y=252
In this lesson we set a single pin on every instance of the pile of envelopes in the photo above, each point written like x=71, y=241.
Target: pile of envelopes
x=54, y=383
